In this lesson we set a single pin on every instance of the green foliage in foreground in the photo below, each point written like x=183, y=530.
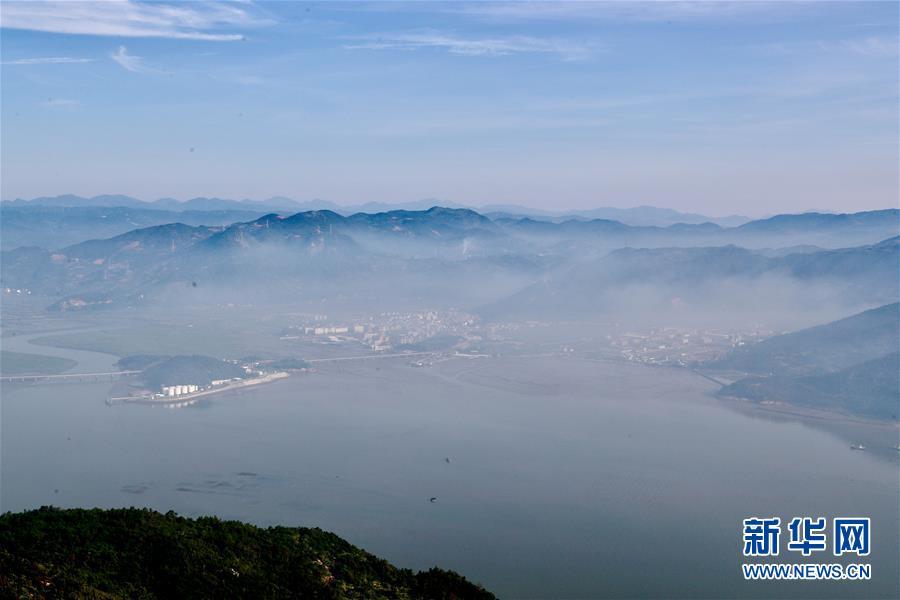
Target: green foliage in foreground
x=140, y=553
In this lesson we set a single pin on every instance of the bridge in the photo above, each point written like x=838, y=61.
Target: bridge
x=67, y=377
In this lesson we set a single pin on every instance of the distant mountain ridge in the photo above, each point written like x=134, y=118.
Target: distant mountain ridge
x=639, y=215
x=51, y=226
x=171, y=204
x=568, y=265
x=688, y=275
x=383, y=249
x=59, y=226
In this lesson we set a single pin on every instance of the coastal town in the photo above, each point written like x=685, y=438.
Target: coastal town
x=683, y=347
x=442, y=330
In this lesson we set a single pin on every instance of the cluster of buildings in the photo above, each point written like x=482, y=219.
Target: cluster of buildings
x=174, y=391
x=413, y=327
x=386, y=330
x=682, y=347
x=339, y=330
x=178, y=390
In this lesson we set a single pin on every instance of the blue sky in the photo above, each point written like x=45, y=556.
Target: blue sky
x=725, y=107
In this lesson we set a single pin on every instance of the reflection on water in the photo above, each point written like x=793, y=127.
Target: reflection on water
x=566, y=478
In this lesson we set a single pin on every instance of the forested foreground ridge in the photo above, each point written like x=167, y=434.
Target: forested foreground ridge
x=141, y=553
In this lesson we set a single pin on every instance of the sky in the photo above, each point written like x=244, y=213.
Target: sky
x=719, y=108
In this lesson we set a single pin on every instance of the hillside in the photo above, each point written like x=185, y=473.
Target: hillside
x=51, y=227
x=179, y=370
x=710, y=277
x=133, y=553
x=816, y=350
x=870, y=389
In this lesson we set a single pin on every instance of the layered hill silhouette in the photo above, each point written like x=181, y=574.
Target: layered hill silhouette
x=816, y=350
x=851, y=365
x=56, y=222
x=639, y=215
x=588, y=287
x=869, y=389
x=519, y=267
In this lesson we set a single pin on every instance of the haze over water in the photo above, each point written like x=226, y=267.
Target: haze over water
x=563, y=477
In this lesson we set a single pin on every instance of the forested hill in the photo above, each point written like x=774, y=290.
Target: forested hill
x=821, y=349
x=869, y=389
x=140, y=553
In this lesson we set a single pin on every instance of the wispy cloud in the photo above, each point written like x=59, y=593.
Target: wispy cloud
x=130, y=18
x=623, y=10
x=59, y=103
x=50, y=60
x=127, y=61
x=471, y=46
x=872, y=46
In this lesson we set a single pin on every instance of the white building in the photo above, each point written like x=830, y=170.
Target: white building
x=178, y=390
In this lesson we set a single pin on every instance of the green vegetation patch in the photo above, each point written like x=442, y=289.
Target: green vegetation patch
x=159, y=338
x=140, y=553
x=20, y=363
x=199, y=370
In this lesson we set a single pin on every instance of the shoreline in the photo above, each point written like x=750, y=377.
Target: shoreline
x=795, y=410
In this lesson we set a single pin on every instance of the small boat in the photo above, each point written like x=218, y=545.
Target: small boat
x=857, y=447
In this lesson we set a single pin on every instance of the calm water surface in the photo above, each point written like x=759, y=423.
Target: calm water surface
x=567, y=478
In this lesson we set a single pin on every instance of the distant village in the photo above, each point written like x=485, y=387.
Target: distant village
x=683, y=347
x=388, y=330
x=439, y=330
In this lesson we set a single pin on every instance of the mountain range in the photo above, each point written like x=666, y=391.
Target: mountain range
x=53, y=227
x=56, y=222
x=519, y=267
x=640, y=215
x=631, y=280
